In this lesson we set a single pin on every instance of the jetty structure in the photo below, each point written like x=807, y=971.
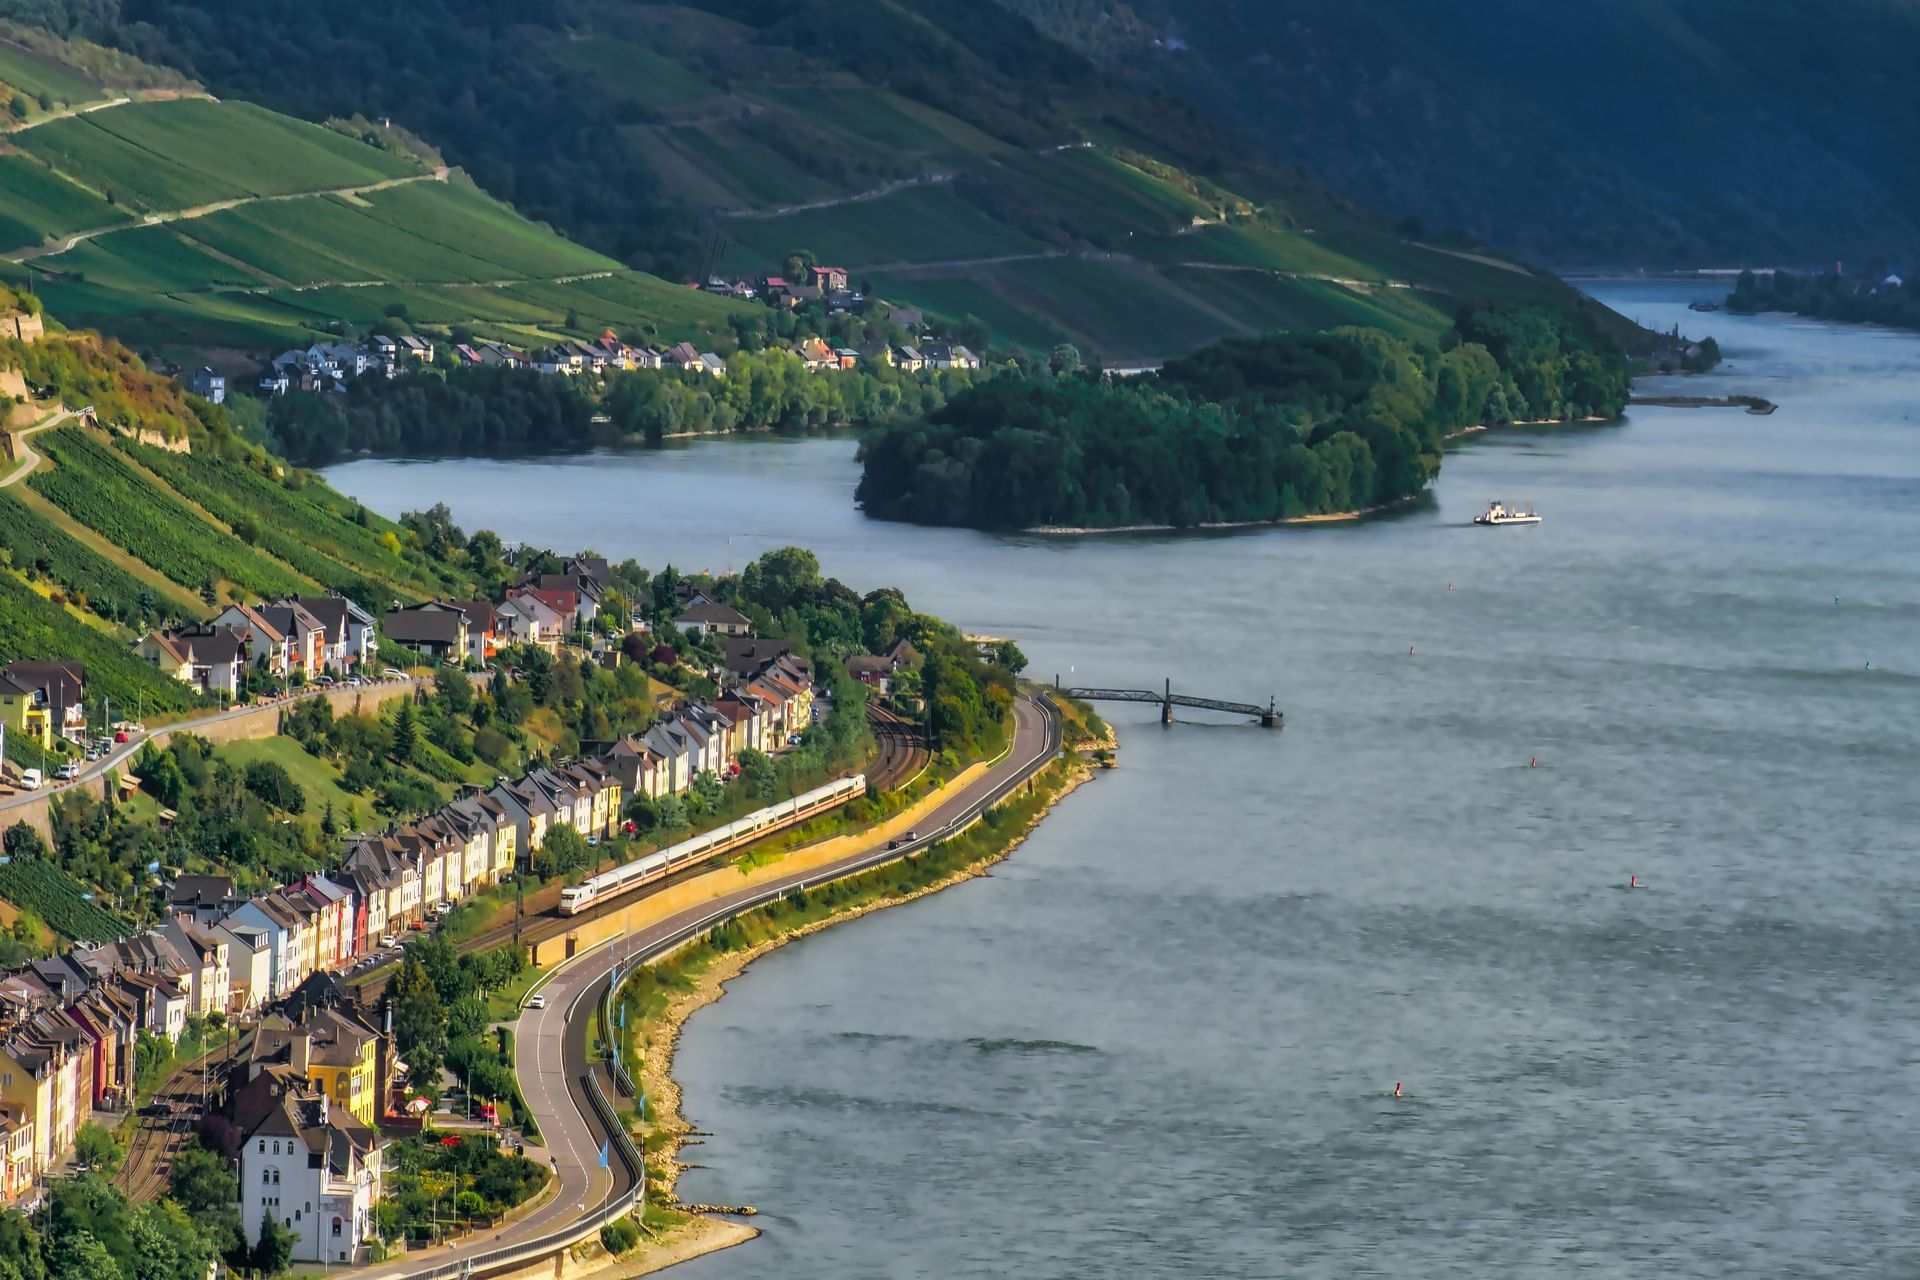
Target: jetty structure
x=1269, y=716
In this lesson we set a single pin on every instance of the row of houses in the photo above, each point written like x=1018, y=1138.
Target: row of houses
x=294, y=639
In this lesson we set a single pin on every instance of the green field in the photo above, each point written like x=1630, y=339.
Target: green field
x=160, y=156
x=958, y=296
x=919, y=224
x=1097, y=198
x=58, y=899
x=318, y=779
x=295, y=525
x=36, y=202
x=38, y=545
x=35, y=76
x=110, y=496
x=641, y=75
x=30, y=628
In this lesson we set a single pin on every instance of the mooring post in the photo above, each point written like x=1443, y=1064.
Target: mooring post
x=1166, y=703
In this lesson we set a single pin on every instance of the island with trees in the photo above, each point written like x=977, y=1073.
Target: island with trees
x=1877, y=296
x=1277, y=427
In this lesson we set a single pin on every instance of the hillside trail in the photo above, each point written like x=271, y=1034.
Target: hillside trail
x=218, y=206
x=30, y=460
x=835, y=202
x=105, y=104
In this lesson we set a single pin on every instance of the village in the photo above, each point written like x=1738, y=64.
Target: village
x=320, y=1077
x=331, y=366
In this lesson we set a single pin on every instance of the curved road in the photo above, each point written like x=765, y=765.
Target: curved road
x=550, y=1043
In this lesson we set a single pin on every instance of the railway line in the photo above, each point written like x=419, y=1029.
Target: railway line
x=903, y=749
x=163, y=1134
x=902, y=754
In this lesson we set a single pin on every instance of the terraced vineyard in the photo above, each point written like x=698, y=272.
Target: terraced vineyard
x=161, y=156
x=58, y=899
x=31, y=627
x=321, y=543
x=36, y=202
x=37, y=545
x=105, y=493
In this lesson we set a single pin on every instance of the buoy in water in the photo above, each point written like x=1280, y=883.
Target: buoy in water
x=1533, y=762
x=1633, y=882
x=1396, y=1088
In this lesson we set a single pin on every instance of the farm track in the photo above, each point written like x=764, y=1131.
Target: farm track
x=218, y=206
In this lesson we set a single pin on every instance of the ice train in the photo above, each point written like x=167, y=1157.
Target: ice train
x=609, y=884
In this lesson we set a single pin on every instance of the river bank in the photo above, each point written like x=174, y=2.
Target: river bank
x=661, y=998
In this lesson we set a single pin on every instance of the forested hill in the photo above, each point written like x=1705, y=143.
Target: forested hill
x=1250, y=429
x=1652, y=132
x=956, y=161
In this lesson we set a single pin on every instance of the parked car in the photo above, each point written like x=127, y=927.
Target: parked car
x=69, y=771
x=121, y=735
x=388, y=940
x=391, y=674
x=31, y=779
x=323, y=680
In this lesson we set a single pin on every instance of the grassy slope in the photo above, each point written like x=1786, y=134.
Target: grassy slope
x=317, y=778
x=791, y=129
x=269, y=274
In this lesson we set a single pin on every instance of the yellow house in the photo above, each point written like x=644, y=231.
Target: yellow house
x=336, y=1054
x=23, y=714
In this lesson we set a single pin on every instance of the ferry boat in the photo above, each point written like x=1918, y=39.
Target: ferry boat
x=1501, y=513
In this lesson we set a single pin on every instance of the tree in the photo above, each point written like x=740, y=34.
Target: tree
x=95, y=1145
x=22, y=841
x=454, y=691
x=758, y=773
x=273, y=1251
x=20, y=106
x=563, y=851
x=79, y=1256
x=1064, y=359
x=405, y=733
x=419, y=1021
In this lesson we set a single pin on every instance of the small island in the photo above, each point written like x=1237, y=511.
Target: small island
x=1281, y=427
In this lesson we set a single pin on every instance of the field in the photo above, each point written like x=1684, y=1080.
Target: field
x=318, y=779
x=36, y=202
x=960, y=296
x=35, y=76
x=641, y=75
x=58, y=900
x=159, y=156
x=36, y=544
x=29, y=628
x=107, y=494
x=323, y=544
x=919, y=224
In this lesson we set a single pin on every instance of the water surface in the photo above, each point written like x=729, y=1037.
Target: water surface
x=1160, y=1040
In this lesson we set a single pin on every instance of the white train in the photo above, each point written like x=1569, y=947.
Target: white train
x=577, y=898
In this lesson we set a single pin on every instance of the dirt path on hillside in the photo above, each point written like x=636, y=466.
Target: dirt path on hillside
x=29, y=460
x=219, y=206
x=859, y=197
x=88, y=108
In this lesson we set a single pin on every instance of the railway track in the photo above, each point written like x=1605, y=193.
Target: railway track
x=903, y=749
x=902, y=754
x=162, y=1136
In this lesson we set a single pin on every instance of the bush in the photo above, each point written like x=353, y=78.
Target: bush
x=620, y=1236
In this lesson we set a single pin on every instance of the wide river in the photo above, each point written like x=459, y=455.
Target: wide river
x=1162, y=1038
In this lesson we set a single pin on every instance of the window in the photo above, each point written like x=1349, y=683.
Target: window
x=276, y=1177
x=263, y=1146
x=276, y=1146
x=265, y=1177
x=296, y=1215
x=336, y=1228
x=309, y=1206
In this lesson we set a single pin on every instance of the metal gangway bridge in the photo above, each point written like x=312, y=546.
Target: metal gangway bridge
x=1269, y=716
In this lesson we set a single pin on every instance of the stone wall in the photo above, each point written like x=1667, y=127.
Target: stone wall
x=234, y=726
x=20, y=325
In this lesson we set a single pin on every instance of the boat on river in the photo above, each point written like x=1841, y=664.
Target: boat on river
x=1501, y=513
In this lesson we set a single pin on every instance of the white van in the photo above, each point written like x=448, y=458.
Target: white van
x=31, y=779
x=69, y=771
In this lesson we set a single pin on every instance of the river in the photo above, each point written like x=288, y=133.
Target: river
x=1161, y=1039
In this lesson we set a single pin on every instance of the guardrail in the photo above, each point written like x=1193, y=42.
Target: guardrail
x=635, y=1199
x=565, y=1238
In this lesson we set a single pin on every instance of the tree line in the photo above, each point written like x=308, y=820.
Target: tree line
x=1878, y=297
x=1247, y=429
x=490, y=409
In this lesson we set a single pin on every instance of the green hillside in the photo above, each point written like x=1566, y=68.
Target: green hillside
x=178, y=222
x=110, y=536
x=964, y=163
x=1681, y=132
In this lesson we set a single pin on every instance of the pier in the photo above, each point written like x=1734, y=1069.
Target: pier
x=1269, y=716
